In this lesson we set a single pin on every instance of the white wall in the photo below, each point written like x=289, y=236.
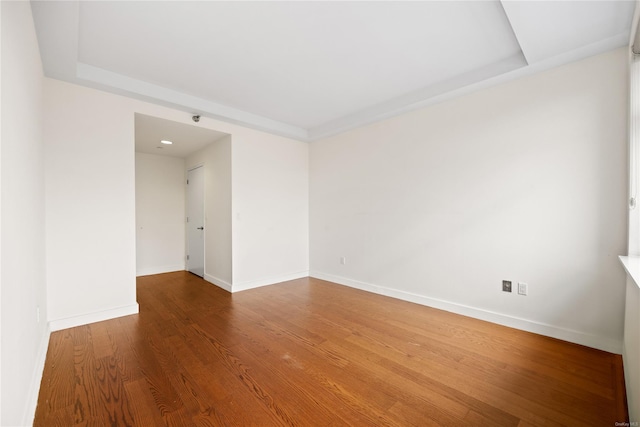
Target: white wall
x=89, y=168
x=1, y=383
x=90, y=175
x=160, y=214
x=264, y=220
x=22, y=278
x=631, y=353
x=525, y=181
x=216, y=160
x=271, y=211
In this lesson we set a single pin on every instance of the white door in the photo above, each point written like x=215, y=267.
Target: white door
x=195, y=221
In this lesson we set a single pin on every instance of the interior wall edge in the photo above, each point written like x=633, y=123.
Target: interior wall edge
x=252, y=284
x=160, y=269
x=218, y=282
x=631, y=350
x=98, y=316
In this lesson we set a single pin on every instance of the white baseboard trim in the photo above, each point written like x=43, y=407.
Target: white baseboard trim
x=99, y=316
x=36, y=379
x=218, y=282
x=159, y=270
x=577, y=337
x=269, y=281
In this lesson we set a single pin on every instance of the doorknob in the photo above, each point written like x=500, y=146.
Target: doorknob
x=200, y=228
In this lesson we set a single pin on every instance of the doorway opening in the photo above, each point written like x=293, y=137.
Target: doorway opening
x=164, y=238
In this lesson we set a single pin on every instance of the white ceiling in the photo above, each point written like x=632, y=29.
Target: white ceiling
x=312, y=69
x=187, y=139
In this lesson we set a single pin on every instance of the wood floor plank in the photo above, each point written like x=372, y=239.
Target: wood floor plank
x=312, y=353
x=84, y=406
x=378, y=377
x=58, y=385
x=146, y=412
x=110, y=396
x=416, y=389
x=155, y=364
x=522, y=382
x=475, y=384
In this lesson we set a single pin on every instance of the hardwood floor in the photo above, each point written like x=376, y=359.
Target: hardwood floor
x=313, y=353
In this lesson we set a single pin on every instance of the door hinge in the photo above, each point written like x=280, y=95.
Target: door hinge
x=187, y=257
x=187, y=182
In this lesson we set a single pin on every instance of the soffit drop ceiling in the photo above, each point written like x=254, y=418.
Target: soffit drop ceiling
x=308, y=70
x=186, y=139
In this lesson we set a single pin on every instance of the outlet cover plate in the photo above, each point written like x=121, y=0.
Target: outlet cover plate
x=523, y=288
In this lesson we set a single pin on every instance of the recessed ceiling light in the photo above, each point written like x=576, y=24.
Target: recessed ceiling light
x=166, y=142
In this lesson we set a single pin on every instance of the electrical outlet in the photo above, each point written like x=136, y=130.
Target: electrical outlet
x=506, y=286
x=343, y=260
x=523, y=288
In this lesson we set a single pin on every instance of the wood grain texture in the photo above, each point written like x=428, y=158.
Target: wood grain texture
x=312, y=353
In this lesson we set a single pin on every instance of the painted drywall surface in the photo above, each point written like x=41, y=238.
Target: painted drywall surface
x=270, y=210
x=23, y=282
x=160, y=214
x=90, y=197
x=216, y=160
x=631, y=352
x=525, y=181
x=1, y=215
x=89, y=164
